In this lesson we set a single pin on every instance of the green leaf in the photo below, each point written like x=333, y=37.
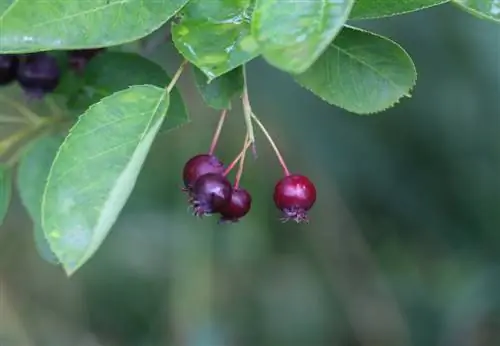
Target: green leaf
x=32, y=174
x=5, y=190
x=219, y=92
x=110, y=72
x=361, y=72
x=364, y=9
x=293, y=34
x=215, y=35
x=43, y=247
x=486, y=9
x=37, y=25
x=95, y=171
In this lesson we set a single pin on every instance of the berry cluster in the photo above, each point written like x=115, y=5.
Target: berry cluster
x=39, y=73
x=210, y=192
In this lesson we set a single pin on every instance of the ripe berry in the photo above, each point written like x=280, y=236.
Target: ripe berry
x=79, y=58
x=200, y=165
x=8, y=68
x=38, y=74
x=210, y=193
x=238, y=206
x=294, y=195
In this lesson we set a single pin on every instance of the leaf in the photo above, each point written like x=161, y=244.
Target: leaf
x=219, y=92
x=364, y=9
x=110, y=72
x=5, y=190
x=361, y=72
x=32, y=173
x=37, y=25
x=486, y=9
x=215, y=35
x=95, y=171
x=293, y=34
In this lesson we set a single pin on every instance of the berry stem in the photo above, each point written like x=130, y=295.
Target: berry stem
x=273, y=145
x=237, y=159
x=176, y=76
x=242, y=163
x=247, y=111
x=218, y=130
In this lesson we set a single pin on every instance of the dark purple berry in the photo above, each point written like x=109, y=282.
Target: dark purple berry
x=38, y=74
x=294, y=195
x=238, y=206
x=79, y=58
x=8, y=68
x=210, y=193
x=200, y=165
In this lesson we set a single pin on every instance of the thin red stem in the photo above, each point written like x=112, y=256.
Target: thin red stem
x=237, y=159
x=242, y=163
x=218, y=130
x=273, y=145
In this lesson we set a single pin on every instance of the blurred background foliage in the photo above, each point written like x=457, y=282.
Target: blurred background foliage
x=403, y=247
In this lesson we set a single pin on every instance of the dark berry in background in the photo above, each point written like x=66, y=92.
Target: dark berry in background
x=8, y=68
x=210, y=193
x=200, y=165
x=294, y=195
x=38, y=74
x=238, y=206
x=79, y=58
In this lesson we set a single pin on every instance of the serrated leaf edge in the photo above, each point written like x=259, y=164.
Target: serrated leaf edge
x=425, y=7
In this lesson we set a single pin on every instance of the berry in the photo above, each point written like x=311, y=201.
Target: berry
x=210, y=193
x=294, y=195
x=38, y=74
x=238, y=206
x=8, y=68
x=79, y=58
x=200, y=165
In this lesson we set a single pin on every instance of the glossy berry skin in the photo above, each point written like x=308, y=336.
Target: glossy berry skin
x=210, y=193
x=294, y=195
x=79, y=58
x=8, y=68
x=38, y=74
x=200, y=165
x=238, y=206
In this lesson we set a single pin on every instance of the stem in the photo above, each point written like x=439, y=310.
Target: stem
x=14, y=138
x=31, y=116
x=242, y=163
x=247, y=110
x=235, y=161
x=176, y=76
x=53, y=106
x=273, y=145
x=12, y=120
x=218, y=130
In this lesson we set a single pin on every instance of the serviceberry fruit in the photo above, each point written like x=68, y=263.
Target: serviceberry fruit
x=238, y=206
x=294, y=195
x=38, y=74
x=210, y=193
x=79, y=58
x=200, y=165
x=8, y=68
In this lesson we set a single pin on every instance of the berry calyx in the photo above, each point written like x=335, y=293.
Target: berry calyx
x=198, y=166
x=8, y=68
x=210, y=193
x=79, y=58
x=38, y=74
x=238, y=206
x=294, y=195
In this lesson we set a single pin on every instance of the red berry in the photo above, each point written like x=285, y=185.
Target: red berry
x=238, y=206
x=210, y=193
x=200, y=165
x=8, y=68
x=294, y=195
